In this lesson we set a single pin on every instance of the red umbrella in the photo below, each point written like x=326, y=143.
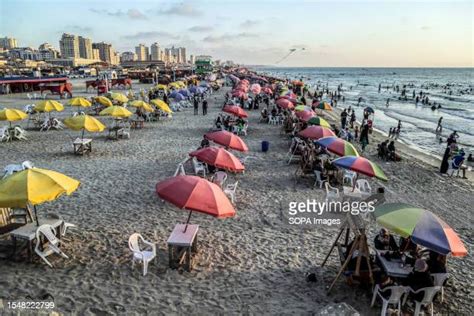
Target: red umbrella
x=195, y=194
x=305, y=115
x=239, y=94
x=218, y=157
x=285, y=104
x=267, y=90
x=316, y=132
x=236, y=110
x=227, y=139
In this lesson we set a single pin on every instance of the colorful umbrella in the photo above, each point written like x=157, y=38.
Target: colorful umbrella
x=103, y=100
x=338, y=146
x=34, y=186
x=425, y=228
x=80, y=102
x=316, y=132
x=256, y=88
x=116, y=111
x=49, y=106
x=316, y=120
x=227, y=139
x=218, y=157
x=360, y=165
x=323, y=106
x=285, y=104
x=305, y=115
x=235, y=110
x=11, y=115
x=303, y=108
x=195, y=194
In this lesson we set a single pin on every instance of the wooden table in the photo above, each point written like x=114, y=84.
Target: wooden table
x=393, y=267
x=82, y=146
x=114, y=132
x=28, y=233
x=137, y=124
x=182, y=246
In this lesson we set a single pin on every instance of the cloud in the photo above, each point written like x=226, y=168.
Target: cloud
x=182, y=9
x=78, y=29
x=425, y=28
x=249, y=23
x=150, y=35
x=200, y=28
x=133, y=14
x=228, y=37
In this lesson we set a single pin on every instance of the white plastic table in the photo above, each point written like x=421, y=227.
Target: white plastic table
x=182, y=245
x=394, y=267
x=82, y=146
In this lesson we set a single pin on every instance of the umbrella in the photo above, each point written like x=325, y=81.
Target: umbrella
x=303, y=108
x=161, y=105
x=218, y=157
x=49, y=106
x=161, y=87
x=80, y=102
x=323, y=106
x=284, y=103
x=360, y=165
x=369, y=110
x=235, y=110
x=142, y=104
x=425, y=228
x=84, y=122
x=227, y=139
x=103, y=100
x=255, y=88
x=177, y=97
x=34, y=186
x=316, y=120
x=12, y=115
x=305, y=115
x=195, y=194
x=193, y=89
x=316, y=132
x=119, y=97
x=239, y=94
x=184, y=92
x=338, y=146
x=116, y=111
x=267, y=90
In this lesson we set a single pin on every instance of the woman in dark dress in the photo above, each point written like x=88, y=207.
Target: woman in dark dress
x=444, y=163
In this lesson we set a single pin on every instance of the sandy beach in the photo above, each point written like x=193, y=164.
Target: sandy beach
x=254, y=263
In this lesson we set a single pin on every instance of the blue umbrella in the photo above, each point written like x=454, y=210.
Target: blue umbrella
x=193, y=89
x=173, y=94
x=184, y=92
x=178, y=97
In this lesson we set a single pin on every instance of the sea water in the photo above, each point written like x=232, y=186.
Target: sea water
x=452, y=88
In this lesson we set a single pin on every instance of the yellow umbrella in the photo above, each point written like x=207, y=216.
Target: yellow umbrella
x=119, y=97
x=12, y=115
x=49, y=106
x=161, y=105
x=104, y=100
x=34, y=186
x=84, y=123
x=143, y=105
x=116, y=111
x=79, y=101
x=161, y=87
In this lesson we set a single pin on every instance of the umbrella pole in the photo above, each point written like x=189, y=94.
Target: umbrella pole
x=187, y=222
x=82, y=134
x=355, y=181
x=36, y=215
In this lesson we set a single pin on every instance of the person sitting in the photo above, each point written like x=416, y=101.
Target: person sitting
x=457, y=162
x=318, y=166
x=227, y=123
x=385, y=241
x=392, y=155
x=204, y=142
x=264, y=115
x=349, y=136
x=419, y=278
x=452, y=138
x=437, y=262
x=274, y=111
x=382, y=151
x=219, y=122
x=470, y=158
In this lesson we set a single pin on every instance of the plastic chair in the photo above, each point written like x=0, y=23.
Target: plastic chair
x=349, y=177
x=145, y=256
x=331, y=192
x=363, y=187
x=429, y=294
x=51, y=247
x=199, y=167
x=439, y=279
x=230, y=191
x=20, y=134
x=219, y=178
x=4, y=134
x=396, y=295
x=318, y=180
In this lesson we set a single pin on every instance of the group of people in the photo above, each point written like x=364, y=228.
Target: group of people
x=386, y=150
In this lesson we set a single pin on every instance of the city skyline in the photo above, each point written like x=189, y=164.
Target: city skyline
x=345, y=34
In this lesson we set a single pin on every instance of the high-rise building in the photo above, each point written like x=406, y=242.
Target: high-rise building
x=155, y=52
x=128, y=56
x=142, y=52
x=182, y=55
x=95, y=53
x=106, y=52
x=8, y=42
x=85, y=47
x=191, y=59
x=69, y=46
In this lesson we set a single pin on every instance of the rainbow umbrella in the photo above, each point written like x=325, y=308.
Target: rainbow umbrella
x=303, y=108
x=323, y=106
x=360, y=165
x=316, y=132
x=316, y=120
x=305, y=115
x=338, y=146
x=425, y=228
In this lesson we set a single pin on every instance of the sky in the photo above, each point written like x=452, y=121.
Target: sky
x=351, y=33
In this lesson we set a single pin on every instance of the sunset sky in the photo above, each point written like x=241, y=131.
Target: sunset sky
x=332, y=33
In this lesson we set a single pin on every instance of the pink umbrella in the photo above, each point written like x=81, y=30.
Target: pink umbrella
x=255, y=88
x=285, y=104
x=305, y=115
x=316, y=132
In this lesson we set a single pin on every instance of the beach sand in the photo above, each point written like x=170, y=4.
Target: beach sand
x=254, y=263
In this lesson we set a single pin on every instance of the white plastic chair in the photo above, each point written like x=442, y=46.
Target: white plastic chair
x=272, y=120
x=243, y=131
x=48, y=232
x=4, y=134
x=219, y=178
x=349, y=177
x=296, y=143
x=396, y=295
x=318, y=180
x=198, y=167
x=230, y=191
x=29, y=96
x=179, y=170
x=429, y=294
x=363, y=187
x=20, y=133
x=438, y=280
x=145, y=256
x=331, y=192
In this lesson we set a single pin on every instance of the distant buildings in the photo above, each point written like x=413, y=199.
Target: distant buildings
x=128, y=56
x=85, y=48
x=142, y=52
x=155, y=51
x=107, y=53
x=191, y=59
x=69, y=46
x=8, y=43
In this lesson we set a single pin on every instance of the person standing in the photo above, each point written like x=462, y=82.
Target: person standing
x=353, y=119
x=204, y=107
x=364, y=136
x=343, y=119
x=196, y=106
x=439, y=128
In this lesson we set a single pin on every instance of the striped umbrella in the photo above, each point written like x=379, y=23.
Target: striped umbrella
x=323, y=106
x=316, y=132
x=338, y=146
x=360, y=165
x=316, y=120
x=425, y=228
